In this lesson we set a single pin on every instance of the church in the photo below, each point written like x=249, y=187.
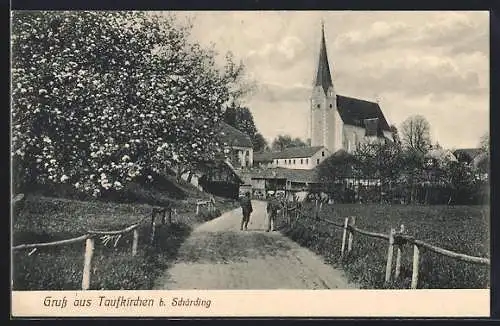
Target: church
x=341, y=122
x=337, y=123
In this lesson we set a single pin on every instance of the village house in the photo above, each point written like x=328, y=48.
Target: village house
x=302, y=158
x=238, y=147
x=475, y=157
x=223, y=176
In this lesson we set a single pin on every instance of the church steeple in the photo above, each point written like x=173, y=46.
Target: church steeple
x=323, y=76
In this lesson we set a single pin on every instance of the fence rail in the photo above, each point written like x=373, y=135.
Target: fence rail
x=105, y=236
x=395, y=238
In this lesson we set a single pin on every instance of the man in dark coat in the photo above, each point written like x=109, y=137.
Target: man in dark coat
x=246, y=209
x=273, y=207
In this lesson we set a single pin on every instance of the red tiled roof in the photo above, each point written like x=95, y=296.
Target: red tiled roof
x=297, y=152
x=234, y=137
x=294, y=175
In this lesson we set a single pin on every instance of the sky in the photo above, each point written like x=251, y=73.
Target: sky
x=435, y=64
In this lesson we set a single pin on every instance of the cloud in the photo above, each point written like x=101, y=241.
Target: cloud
x=415, y=75
x=453, y=32
x=283, y=53
x=276, y=93
x=378, y=35
x=456, y=120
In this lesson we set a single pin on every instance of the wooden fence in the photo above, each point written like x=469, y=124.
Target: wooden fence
x=105, y=236
x=395, y=237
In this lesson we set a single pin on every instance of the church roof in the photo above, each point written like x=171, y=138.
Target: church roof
x=234, y=137
x=323, y=75
x=354, y=112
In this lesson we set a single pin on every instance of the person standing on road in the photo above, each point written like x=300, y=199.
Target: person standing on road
x=246, y=209
x=273, y=207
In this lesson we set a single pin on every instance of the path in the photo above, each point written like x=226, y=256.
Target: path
x=217, y=255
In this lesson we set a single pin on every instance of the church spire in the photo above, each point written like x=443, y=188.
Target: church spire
x=323, y=76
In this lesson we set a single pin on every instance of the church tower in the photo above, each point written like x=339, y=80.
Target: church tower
x=326, y=125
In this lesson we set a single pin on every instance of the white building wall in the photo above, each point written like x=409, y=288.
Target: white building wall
x=243, y=152
x=325, y=122
x=317, y=120
x=388, y=134
x=354, y=135
x=337, y=132
x=302, y=163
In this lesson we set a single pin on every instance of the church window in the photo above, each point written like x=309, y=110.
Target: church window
x=293, y=161
x=317, y=161
x=323, y=154
x=331, y=106
x=301, y=161
x=307, y=161
x=318, y=106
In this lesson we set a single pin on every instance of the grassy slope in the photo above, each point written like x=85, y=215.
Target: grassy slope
x=463, y=229
x=45, y=219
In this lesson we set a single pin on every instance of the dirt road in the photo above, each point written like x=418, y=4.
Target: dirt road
x=217, y=255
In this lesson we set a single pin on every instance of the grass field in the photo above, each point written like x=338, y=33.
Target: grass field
x=463, y=229
x=45, y=219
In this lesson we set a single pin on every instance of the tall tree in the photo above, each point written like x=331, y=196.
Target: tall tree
x=241, y=118
x=285, y=141
x=415, y=133
x=395, y=135
x=484, y=142
x=259, y=142
x=100, y=97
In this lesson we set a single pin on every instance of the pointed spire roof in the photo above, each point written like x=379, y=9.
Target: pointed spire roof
x=323, y=75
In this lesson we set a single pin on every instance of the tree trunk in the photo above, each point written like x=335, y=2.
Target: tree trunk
x=412, y=193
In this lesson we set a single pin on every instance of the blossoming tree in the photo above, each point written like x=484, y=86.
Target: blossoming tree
x=100, y=97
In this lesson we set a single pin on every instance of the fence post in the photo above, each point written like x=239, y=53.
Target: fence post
x=416, y=258
x=344, y=237
x=285, y=215
x=197, y=208
x=390, y=251
x=135, y=242
x=89, y=251
x=170, y=215
x=153, y=229
x=164, y=216
x=351, y=234
x=398, y=254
